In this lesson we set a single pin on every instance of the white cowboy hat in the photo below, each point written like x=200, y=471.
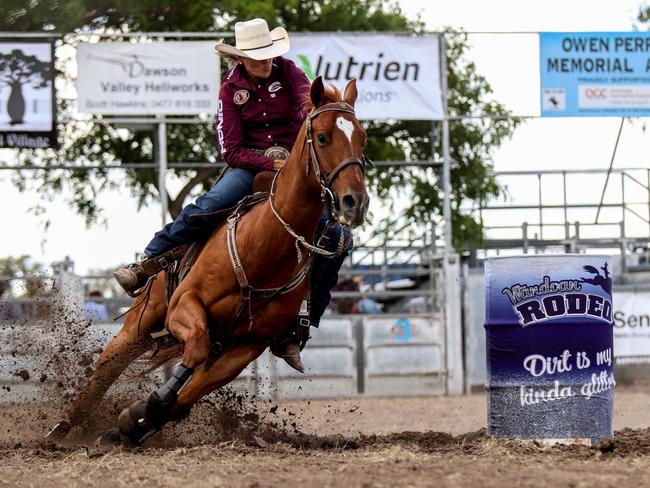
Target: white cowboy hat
x=253, y=40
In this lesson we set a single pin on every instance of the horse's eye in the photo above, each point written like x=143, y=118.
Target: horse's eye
x=322, y=138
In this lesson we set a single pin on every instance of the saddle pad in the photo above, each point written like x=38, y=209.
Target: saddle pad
x=182, y=266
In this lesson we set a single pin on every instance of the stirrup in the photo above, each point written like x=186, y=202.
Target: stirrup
x=142, y=289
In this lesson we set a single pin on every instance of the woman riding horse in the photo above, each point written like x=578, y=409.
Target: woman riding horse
x=260, y=112
x=248, y=280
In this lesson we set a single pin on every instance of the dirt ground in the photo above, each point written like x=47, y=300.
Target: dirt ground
x=366, y=442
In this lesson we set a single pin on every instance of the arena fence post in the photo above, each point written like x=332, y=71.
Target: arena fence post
x=360, y=355
x=162, y=168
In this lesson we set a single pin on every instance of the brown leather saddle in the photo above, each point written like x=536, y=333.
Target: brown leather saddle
x=185, y=256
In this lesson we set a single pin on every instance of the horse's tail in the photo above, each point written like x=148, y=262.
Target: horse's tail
x=162, y=357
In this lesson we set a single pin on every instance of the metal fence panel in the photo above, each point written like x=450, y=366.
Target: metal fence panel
x=474, y=309
x=330, y=364
x=403, y=356
x=347, y=356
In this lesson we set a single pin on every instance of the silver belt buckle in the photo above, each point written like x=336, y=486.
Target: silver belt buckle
x=276, y=152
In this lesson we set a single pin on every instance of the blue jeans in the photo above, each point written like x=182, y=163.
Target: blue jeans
x=324, y=273
x=232, y=187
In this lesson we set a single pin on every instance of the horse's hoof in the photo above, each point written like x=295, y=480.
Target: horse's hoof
x=131, y=420
x=59, y=431
x=112, y=438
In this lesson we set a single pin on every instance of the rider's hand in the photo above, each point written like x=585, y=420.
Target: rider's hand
x=278, y=163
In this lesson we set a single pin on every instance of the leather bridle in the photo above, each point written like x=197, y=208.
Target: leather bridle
x=325, y=180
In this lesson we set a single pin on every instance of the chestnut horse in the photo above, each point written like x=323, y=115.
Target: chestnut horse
x=326, y=164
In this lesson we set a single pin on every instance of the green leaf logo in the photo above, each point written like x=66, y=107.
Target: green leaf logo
x=306, y=66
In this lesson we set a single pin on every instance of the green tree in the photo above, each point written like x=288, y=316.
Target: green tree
x=19, y=267
x=84, y=144
x=472, y=141
x=644, y=14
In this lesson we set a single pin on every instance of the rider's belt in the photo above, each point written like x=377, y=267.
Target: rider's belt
x=273, y=152
x=159, y=263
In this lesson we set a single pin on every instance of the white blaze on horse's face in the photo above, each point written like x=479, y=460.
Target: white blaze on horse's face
x=346, y=126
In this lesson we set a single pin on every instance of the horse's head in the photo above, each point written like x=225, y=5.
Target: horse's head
x=336, y=139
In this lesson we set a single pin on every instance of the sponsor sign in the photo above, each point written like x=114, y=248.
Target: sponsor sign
x=27, y=98
x=123, y=78
x=595, y=73
x=632, y=324
x=549, y=347
x=398, y=77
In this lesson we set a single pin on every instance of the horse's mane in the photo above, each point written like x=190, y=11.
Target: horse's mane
x=331, y=94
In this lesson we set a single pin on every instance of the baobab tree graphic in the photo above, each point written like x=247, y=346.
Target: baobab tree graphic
x=18, y=69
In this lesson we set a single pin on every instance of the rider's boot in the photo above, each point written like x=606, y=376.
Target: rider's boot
x=134, y=276
x=289, y=349
x=131, y=277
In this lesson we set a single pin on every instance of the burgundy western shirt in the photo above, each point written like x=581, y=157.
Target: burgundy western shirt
x=260, y=116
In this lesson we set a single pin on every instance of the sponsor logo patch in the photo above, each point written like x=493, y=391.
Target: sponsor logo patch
x=275, y=86
x=240, y=97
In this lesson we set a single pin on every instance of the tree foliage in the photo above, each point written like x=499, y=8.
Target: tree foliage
x=471, y=140
x=20, y=267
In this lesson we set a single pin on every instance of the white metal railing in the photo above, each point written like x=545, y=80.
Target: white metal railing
x=347, y=356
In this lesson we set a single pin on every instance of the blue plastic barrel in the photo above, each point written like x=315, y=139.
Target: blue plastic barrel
x=549, y=338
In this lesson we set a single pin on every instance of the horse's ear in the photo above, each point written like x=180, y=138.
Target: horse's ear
x=350, y=93
x=317, y=90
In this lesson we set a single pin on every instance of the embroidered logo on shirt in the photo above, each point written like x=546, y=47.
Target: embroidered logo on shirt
x=222, y=147
x=275, y=86
x=240, y=97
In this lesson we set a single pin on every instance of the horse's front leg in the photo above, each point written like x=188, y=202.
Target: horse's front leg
x=187, y=321
x=226, y=368
x=143, y=418
x=131, y=341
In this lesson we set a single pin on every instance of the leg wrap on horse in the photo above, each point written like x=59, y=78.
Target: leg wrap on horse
x=144, y=417
x=161, y=401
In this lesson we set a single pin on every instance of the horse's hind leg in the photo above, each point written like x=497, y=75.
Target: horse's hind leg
x=130, y=342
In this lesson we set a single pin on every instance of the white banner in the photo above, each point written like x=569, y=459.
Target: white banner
x=123, y=78
x=27, y=99
x=398, y=77
x=631, y=324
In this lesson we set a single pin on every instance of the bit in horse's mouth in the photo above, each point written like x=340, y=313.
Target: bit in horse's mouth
x=350, y=223
x=343, y=219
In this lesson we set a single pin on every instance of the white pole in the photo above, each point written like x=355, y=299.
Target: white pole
x=162, y=168
x=451, y=268
x=446, y=171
